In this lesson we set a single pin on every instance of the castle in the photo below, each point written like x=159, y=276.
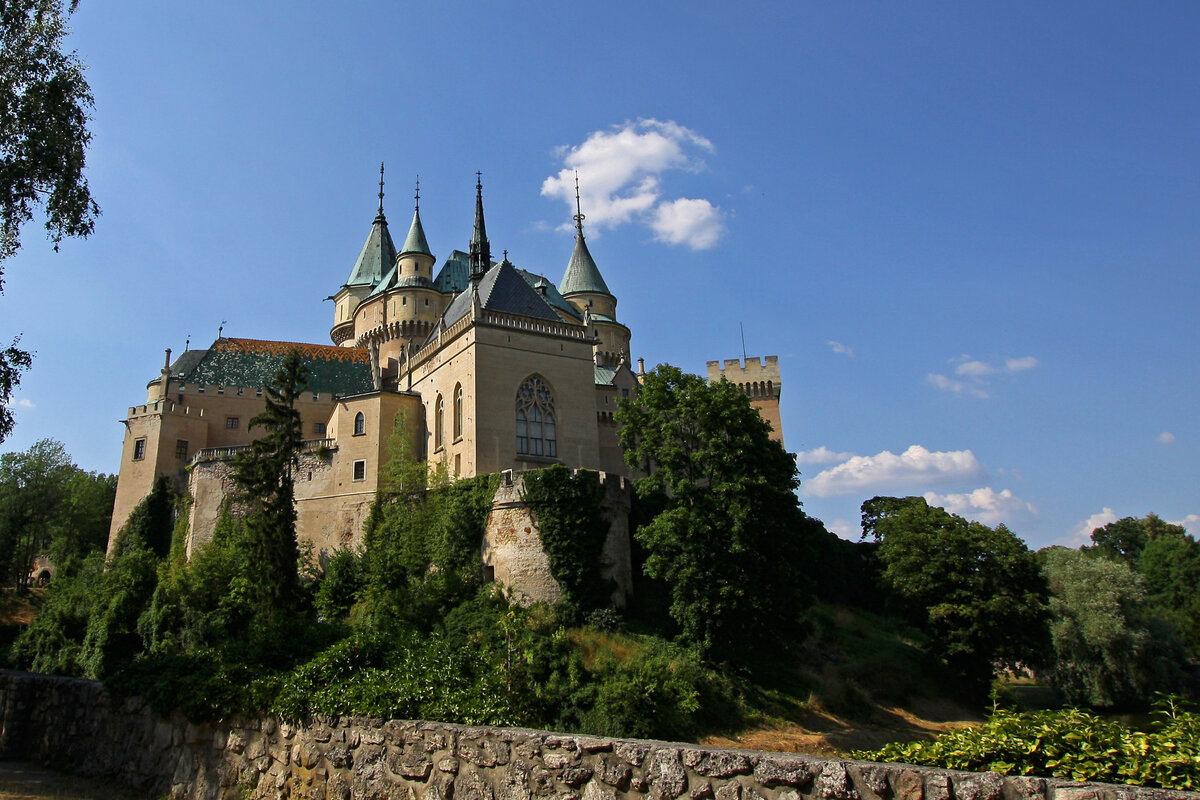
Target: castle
x=492, y=369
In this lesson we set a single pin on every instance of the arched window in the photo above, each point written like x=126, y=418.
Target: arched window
x=536, y=429
x=458, y=411
x=360, y=424
x=438, y=429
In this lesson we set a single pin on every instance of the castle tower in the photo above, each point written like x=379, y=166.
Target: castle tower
x=584, y=287
x=377, y=256
x=758, y=378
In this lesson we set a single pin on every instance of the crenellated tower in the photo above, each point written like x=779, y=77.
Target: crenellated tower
x=759, y=379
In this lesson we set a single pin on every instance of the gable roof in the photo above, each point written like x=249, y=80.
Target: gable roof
x=549, y=293
x=253, y=362
x=502, y=289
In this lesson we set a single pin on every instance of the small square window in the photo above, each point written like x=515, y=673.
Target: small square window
x=316, y=396
x=319, y=428
x=360, y=470
x=139, y=449
x=231, y=423
x=181, y=449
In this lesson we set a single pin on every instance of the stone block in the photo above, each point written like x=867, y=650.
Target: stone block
x=716, y=763
x=777, y=771
x=666, y=774
x=986, y=786
x=833, y=782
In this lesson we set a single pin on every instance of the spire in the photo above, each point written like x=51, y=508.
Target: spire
x=481, y=251
x=582, y=274
x=378, y=252
x=415, y=242
x=381, y=187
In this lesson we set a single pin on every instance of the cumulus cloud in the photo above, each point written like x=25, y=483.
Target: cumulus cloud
x=916, y=466
x=974, y=368
x=695, y=223
x=955, y=386
x=822, y=455
x=985, y=505
x=851, y=530
x=1166, y=437
x=620, y=181
x=840, y=348
x=25, y=402
x=1082, y=533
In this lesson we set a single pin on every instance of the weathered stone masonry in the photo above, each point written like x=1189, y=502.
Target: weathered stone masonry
x=77, y=726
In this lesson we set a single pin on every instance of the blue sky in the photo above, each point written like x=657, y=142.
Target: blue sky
x=970, y=231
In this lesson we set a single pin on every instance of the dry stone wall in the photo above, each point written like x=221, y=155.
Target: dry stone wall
x=77, y=726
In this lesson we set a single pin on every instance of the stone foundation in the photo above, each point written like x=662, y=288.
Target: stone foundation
x=76, y=726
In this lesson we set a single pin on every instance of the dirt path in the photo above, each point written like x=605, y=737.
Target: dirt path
x=20, y=780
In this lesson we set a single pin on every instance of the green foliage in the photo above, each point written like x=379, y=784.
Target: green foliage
x=53, y=641
x=1068, y=744
x=341, y=585
x=567, y=508
x=978, y=591
x=13, y=361
x=47, y=504
x=263, y=474
x=730, y=539
x=1105, y=648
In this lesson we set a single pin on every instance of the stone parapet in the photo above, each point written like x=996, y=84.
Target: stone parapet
x=79, y=727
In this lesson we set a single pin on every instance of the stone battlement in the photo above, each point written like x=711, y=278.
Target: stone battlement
x=758, y=377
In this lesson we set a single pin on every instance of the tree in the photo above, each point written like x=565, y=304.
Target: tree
x=1106, y=647
x=32, y=488
x=44, y=105
x=978, y=591
x=731, y=537
x=263, y=473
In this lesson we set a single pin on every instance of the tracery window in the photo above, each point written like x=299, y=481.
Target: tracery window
x=439, y=430
x=458, y=411
x=536, y=429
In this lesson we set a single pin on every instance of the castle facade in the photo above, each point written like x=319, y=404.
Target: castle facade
x=489, y=368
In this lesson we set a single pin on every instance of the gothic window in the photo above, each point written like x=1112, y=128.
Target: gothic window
x=536, y=430
x=439, y=430
x=458, y=411
x=360, y=424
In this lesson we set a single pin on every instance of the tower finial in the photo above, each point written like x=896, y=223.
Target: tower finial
x=381, y=188
x=578, y=210
x=417, y=194
x=481, y=252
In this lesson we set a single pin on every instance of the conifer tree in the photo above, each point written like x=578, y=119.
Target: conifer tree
x=263, y=473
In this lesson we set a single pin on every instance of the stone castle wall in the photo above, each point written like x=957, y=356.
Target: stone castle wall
x=77, y=726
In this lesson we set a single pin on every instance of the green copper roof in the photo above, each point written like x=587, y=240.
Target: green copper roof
x=604, y=375
x=582, y=275
x=253, y=362
x=415, y=243
x=455, y=274
x=378, y=254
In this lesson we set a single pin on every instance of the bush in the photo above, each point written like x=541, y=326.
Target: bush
x=1068, y=744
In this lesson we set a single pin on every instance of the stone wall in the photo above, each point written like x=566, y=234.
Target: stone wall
x=76, y=726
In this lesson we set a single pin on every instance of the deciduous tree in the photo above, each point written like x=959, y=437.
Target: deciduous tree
x=977, y=590
x=731, y=540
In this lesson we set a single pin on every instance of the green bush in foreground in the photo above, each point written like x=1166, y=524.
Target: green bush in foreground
x=1066, y=744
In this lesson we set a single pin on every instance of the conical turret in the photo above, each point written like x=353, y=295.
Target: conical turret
x=582, y=275
x=378, y=252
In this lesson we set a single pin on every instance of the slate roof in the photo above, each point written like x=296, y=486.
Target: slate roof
x=253, y=362
x=502, y=289
x=549, y=291
x=582, y=274
x=186, y=362
x=377, y=255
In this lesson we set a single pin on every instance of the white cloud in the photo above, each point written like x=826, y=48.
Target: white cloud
x=822, y=455
x=25, y=402
x=620, y=181
x=840, y=348
x=1081, y=534
x=916, y=466
x=1191, y=522
x=695, y=223
x=1019, y=364
x=1166, y=437
x=954, y=386
x=985, y=505
x=974, y=368
x=851, y=530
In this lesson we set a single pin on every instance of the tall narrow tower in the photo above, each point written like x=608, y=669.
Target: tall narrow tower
x=481, y=250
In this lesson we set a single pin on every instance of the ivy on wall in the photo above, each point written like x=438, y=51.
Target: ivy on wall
x=566, y=507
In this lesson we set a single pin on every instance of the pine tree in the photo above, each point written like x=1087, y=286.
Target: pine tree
x=263, y=473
